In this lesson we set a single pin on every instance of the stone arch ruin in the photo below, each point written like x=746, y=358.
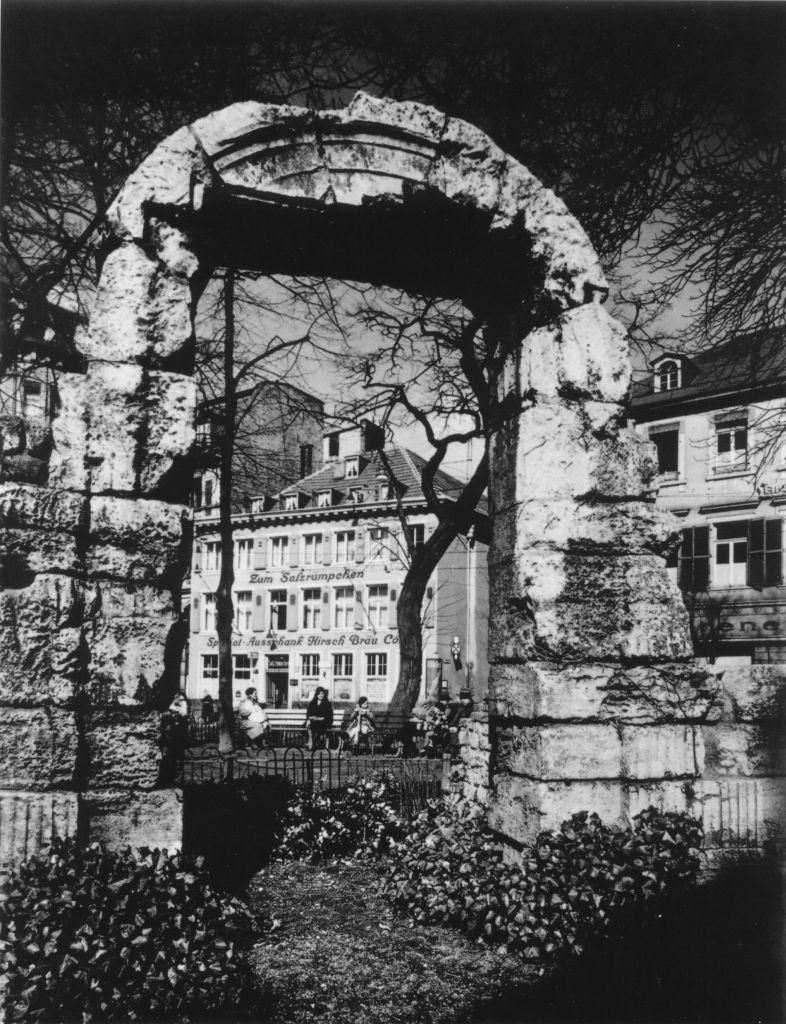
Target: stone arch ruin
x=594, y=702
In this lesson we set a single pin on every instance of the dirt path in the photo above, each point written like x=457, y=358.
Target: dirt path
x=340, y=955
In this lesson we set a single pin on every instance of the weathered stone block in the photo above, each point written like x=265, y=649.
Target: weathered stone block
x=583, y=355
x=41, y=650
x=560, y=751
x=134, y=540
x=113, y=394
x=416, y=118
x=121, y=817
x=29, y=821
x=754, y=692
x=661, y=751
x=740, y=750
x=739, y=811
x=67, y=463
x=32, y=551
x=37, y=748
x=23, y=507
x=627, y=527
x=141, y=313
x=170, y=400
x=123, y=748
x=469, y=168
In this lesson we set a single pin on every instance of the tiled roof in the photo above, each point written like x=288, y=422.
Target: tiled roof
x=405, y=465
x=750, y=363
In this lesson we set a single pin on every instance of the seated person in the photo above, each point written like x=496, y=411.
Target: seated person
x=361, y=723
x=319, y=717
x=254, y=723
x=437, y=728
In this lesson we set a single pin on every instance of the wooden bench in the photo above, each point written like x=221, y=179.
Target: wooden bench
x=288, y=729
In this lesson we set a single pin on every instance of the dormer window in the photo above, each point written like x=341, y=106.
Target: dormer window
x=352, y=466
x=668, y=375
x=356, y=495
x=290, y=502
x=323, y=499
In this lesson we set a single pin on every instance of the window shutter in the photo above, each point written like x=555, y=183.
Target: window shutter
x=258, y=614
x=325, y=613
x=358, y=609
x=360, y=546
x=293, y=550
x=326, y=559
x=195, y=614
x=292, y=619
x=765, y=554
x=395, y=547
x=260, y=553
x=695, y=558
x=392, y=610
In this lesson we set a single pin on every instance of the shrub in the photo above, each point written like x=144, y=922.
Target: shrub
x=91, y=935
x=574, y=884
x=358, y=821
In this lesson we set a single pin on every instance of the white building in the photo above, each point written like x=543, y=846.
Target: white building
x=318, y=570
x=718, y=421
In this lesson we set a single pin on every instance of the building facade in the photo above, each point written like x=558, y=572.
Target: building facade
x=318, y=571
x=718, y=422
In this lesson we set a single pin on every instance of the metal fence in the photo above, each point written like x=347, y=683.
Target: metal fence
x=413, y=781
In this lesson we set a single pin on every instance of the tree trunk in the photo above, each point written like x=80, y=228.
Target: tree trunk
x=224, y=607
x=410, y=623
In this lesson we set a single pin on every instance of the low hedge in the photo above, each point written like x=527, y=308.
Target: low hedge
x=358, y=821
x=574, y=884
x=91, y=935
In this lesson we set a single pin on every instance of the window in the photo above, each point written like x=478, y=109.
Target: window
x=695, y=558
x=344, y=608
x=306, y=459
x=376, y=666
x=765, y=556
x=279, y=551
x=212, y=555
x=312, y=549
x=290, y=502
x=417, y=536
x=332, y=445
x=357, y=495
x=33, y=398
x=342, y=666
x=667, y=376
x=378, y=605
x=203, y=433
x=243, y=610
x=312, y=602
x=731, y=447
x=278, y=609
x=323, y=499
x=731, y=554
x=209, y=667
x=243, y=549
x=380, y=544
x=209, y=613
x=345, y=546
x=243, y=666
x=666, y=439
x=207, y=490
x=257, y=504
x=352, y=467
x=309, y=666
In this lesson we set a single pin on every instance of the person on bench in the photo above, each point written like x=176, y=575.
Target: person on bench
x=254, y=724
x=361, y=724
x=319, y=717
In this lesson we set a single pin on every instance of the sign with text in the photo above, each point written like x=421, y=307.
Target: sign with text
x=311, y=640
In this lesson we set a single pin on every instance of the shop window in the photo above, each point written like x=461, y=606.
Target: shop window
x=243, y=666
x=309, y=666
x=209, y=667
x=342, y=666
x=209, y=613
x=279, y=551
x=731, y=447
x=278, y=609
x=243, y=610
x=695, y=558
x=667, y=442
x=345, y=546
x=376, y=666
x=344, y=608
x=312, y=549
x=312, y=604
